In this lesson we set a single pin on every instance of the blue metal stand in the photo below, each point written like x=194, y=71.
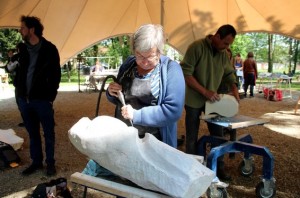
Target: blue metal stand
x=248, y=149
x=241, y=144
x=214, y=140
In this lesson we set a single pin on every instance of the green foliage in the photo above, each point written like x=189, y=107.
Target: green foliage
x=73, y=76
x=90, y=52
x=244, y=43
x=252, y=42
x=283, y=50
x=172, y=53
x=9, y=38
x=120, y=47
x=240, y=45
x=259, y=46
x=113, y=47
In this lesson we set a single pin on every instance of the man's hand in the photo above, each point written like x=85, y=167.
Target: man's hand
x=194, y=84
x=211, y=96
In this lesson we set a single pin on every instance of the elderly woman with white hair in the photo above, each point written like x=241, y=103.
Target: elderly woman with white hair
x=153, y=86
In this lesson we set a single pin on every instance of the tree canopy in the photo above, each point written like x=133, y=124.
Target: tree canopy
x=9, y=38
x=267, y=48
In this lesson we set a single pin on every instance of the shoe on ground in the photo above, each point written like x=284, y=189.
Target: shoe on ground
x=32, y=168
x=51, y=170
x=21, y=124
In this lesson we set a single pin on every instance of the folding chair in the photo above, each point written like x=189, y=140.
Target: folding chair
x=88, y=85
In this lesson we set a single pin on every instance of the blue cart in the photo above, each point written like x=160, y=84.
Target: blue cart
x=244, y=143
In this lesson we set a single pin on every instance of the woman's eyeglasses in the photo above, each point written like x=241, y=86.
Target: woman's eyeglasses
x=151, y=58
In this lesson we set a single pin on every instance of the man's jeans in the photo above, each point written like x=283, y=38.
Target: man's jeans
x=192, y=124
x=36, y=112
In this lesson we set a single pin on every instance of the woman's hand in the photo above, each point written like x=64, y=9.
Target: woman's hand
x=127, y=112
x=113, y=89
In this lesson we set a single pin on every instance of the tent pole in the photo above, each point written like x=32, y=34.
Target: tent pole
x=79, y=58
x=162, y=8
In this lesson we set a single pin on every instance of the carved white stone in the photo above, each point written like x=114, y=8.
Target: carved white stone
x=147, y=162
x=227, y=106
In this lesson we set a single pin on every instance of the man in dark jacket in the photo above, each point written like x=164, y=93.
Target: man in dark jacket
x=37, y=82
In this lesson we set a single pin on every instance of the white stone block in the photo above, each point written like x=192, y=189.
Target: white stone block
x=147, y=162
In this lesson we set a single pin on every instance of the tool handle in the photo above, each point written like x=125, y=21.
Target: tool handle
x=121, y=97
x=122, y=100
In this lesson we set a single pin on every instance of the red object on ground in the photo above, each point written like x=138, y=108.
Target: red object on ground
x=272, y=94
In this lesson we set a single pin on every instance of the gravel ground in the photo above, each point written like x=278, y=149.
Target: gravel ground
x=281, y=136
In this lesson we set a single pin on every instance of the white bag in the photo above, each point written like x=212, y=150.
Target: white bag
x=239, y=72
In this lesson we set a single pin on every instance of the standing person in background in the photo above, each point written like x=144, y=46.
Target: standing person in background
x=250, y=74
x=238, y=63
x=4, y=69
x=37, y=83
x=10, y=54
x=205, y=66
x=13, y=68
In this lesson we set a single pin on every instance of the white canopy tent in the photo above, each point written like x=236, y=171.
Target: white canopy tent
x=73, y=25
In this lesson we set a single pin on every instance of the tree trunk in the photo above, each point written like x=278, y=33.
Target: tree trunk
x=290, y=54
x=296, y=48
x=270, y=53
